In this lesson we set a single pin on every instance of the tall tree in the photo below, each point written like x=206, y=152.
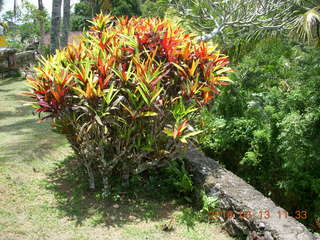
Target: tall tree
x=98, y=6
x=229, y=19
x=307, y=23
x=1, y=5
x=154, y=8
x=55, y=25
x=126, y=8
x=15, y=8
x=80, y=16
x=66, y=23
x=41, y=21
x=103, y=6
x=85, y=10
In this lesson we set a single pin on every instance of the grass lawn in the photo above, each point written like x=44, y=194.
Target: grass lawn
x=41, y=197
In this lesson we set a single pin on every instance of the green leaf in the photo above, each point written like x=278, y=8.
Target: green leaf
x=168, y=132
x=189, y=134
x=147, y=148
x=98, y=119
x=156, y=95
x=110, y=94
x=143, y=94
x=147, y=114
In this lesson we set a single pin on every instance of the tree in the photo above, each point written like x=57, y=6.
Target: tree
x=223, y=19
x=126, y=8
x=41, y=22
x=229, y=20
x=306, y=26
x=1, y=5
x=85, y=10
x=103, y=6
x=15, y=8
x=97, y=6
x=79, y=18
x=55, y=25
x=151, y=8
x=66, y=22
x=28, y=29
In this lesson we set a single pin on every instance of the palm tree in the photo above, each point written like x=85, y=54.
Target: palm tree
x=227, y=20
x=306, y=26
x=41, y=21
x=55, y=25
x=15, y=7
x=1, y=5
x=103, y=6
x=66, y=23
x=223, y=20
x=97, y=6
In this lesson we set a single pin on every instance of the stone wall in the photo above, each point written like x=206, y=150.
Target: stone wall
x=11, y=60
x=7, y=59
x=243, y=209
x=25, y=58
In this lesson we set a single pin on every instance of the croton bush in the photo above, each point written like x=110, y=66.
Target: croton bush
x=125, y=95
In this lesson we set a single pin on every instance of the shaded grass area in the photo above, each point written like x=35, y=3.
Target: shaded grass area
x=21, y=137
x=43, y=193
x=70, y=187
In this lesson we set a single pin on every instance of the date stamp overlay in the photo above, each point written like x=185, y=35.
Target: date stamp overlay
x=260, y=214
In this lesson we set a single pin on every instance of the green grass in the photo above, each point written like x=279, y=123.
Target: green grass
x=43, y=196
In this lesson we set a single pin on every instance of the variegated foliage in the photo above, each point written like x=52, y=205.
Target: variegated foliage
x=124, y=96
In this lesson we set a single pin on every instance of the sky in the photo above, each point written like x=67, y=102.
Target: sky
x=8, y=4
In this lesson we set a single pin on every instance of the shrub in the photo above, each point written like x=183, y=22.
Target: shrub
x=126, y=94
x=266, y=126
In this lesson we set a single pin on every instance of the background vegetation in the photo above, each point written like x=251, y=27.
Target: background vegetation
x=266, y=126
x=23, y=26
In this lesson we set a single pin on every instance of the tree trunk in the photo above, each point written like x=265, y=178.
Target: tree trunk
x=66, y=23
x=55, y=25
x=15, y=8
x=41, y=23
x=98, y=6
x=1, y=5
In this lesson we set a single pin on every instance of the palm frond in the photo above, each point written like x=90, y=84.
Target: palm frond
x=306, y=26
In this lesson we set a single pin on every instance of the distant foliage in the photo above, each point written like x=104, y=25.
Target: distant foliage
x=27, y=27
x=126, y=94
x=152, y=8
x=125, y=8
x=80, y=17
x=266, y=126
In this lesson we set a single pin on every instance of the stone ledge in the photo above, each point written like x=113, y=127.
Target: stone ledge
x=11, y=60
x=26, y=57
x=245, y=203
